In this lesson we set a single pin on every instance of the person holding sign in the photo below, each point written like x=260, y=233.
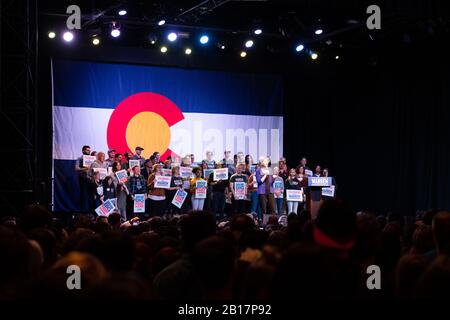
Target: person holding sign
x=95, y=192
x=292, y=183
x=238, y=186
x=136, y=185
x=252, y=187
x=278, y=190
x=83, y=179
x=219, y=188
x=209, y=160
x=99, y=163
x=138, y=156
x=198, y=189
x=109, y=189
x=157, y=196
x=121, y=190
x=332, y=186
x=265, y=180
x=175, y=184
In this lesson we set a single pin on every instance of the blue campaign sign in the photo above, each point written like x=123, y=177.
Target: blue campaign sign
x=319, y=181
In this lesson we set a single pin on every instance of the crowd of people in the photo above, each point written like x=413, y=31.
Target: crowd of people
x=265, y=184
x=192, y=257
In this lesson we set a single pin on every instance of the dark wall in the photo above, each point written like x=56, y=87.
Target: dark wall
x=382, y=128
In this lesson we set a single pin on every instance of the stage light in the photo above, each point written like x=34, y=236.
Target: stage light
x=222, y=47
x=188, y=51
x=115, y=33
x=318, y=31
x=257, y=31
x=163, y=49
x=249, y=44
x=243, y=54
x=51, y=35
x=153, y=41
x=172, y=36
x=68, y=36
x=299, y=48
x=204, y=39
x=314, y=55
x=337, y=57
x=122, y=12
x=96, y=41
x=161, y=22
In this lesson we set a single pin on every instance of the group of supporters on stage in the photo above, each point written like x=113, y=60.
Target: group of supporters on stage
x=232, y=185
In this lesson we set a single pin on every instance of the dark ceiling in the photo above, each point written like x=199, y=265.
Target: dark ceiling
x=284, y=24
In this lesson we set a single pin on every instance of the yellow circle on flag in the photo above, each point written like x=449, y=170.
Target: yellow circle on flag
x=150, y=131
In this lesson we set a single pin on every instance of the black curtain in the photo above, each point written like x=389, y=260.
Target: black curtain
x=382, y=127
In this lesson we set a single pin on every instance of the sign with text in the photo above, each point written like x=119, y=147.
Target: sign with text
x=278, y=188
x=240, y=191
x=200, y=189
x=186, y=184
x=139, y=203
x=328, y=192
x=134, y=163
x=88, y=160
x=221, y=174
x=162, y=182
x=122, y=176
x=207, y=172
x=166, y=172
x=103, y=172
x=179, y=198
x=319, y=181
x=186, y=172
x=308, y=173
x=106, y=208
x=294, y=195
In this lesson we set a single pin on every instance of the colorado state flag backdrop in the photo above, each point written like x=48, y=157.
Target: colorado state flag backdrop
x=169, y=110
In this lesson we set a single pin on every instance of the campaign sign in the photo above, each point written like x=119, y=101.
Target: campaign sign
x=134, y=163
x=319, y=181
x=253, y=168
x=186, y=172
x=103, y=172
x=278, y=189
x=294, y=195
x=200, y=189
x=308, y=173
x=240, y=190
x=88, y=160
x=106, y=208
x=162, y=182
x=328, y=192
x=221, y=174
x=166, y=172
x=207, y=172
x=122, y=176
x=139, y=203
x=179, y=198
x=186, y=184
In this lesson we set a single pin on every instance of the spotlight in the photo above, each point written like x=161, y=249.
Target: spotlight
x=115, y=33
x=122, y=12
x=337, y=57
x=51, y=35
x=68, y=36
x=257, y=31
x=115, y=30
x=318, y=31
x=188, y=51
x=314, y=55
x=163, y=49
x=204, y=39
x=96, y=41
x=299, y=48
x=152, y=41
x=243, y=54
x=172, y=36
x=249, y=44
x=222, y=47
x=161, y=22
